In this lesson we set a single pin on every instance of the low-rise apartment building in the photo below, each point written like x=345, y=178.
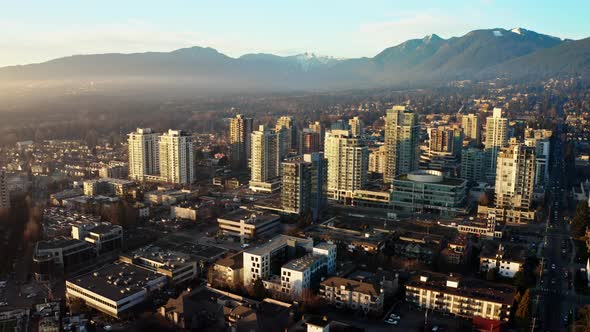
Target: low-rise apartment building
x=507, y=259
x=352, y=294
x=463, y=297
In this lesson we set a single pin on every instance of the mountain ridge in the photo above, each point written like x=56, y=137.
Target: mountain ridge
x=479, y=54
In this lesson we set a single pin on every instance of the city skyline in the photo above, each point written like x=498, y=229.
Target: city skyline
x=342, y=30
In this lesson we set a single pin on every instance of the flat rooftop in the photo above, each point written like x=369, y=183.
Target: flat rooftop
x=111, y=180
x=446, y=181
x=302, y=263
x=276, y=243
x=169, y=258
x=468, y=287
x=104, y=228
x=116, y=281
x=59, y=242
x=249, y=216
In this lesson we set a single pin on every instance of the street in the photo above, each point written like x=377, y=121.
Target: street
x=555, y=301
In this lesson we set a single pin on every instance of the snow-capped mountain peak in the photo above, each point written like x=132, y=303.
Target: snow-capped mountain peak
x=518, y=31
x=310, y=60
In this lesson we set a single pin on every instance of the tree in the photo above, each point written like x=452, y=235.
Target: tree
x=522, y=311
x=258, y=291
x=581, y=219
x=491, y=274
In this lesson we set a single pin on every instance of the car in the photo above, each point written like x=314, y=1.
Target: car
x=3, y=304
x=392, y=321
x=552, y=281
x=107, y=327
x=394, y=316
x=553, y=266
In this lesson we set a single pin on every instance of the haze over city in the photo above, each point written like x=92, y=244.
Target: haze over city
x=298, y=166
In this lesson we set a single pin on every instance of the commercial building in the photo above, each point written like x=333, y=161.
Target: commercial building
x=463, y=297
x=296, y=186
x=61, y=255
x=496, y=139
x=105, y=238
x=114, y=288
x=429, y=191
x=481, y=227
x=108, y=187
x=265, y=161
x=144, y=157
x=177, y=157
x=471, y=127
x=348, y=161
x=352, y=294
x=4, y=193
x=402, y=139
x=248, y=224
x=178, y=267
x=240, y=129
x=473, y=164
x=515, y=180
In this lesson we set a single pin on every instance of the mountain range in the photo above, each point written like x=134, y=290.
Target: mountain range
x=481, y=54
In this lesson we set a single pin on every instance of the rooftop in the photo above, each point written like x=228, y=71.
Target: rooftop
x=277, y=242
x=250, y=216
x=110, y=180
x=430, y=177
x=468, y=287
x=59, y=242
x=302, y=263
x=515, y=253
x=234, y=261
x=167, y=258
x=116, y=281
x=105, y=228
x=352, y=285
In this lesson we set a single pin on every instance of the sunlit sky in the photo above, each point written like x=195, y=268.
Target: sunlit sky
x=36, y=31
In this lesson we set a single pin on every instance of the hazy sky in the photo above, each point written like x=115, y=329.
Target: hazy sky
x=41, y=30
